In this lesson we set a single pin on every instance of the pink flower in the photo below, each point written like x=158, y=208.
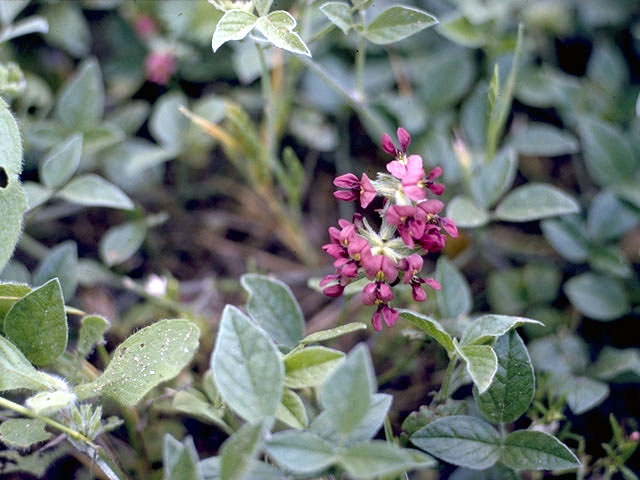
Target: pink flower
x=399, y=167
x=160, y=66
x=386, y=313
x=379, y=268
x=145, y=26
x=380, y=294
x=414, y=183
x=403, y=137
x=412, y=266
x=409, y=222
x=355, y=188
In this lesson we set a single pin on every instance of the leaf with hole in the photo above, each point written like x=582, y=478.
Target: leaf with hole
x=150, y=356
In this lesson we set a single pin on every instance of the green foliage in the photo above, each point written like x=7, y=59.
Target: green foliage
x=23, y=432
x=37, y=324
x=147, y=358
x=397, y=23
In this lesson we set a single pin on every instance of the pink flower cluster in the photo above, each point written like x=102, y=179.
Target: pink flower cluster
x=410, y=227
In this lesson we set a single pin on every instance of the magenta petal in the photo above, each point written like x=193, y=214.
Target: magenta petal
x=385, y=293
x=414, y=163
x=389, y=269
x=333, y=291
x=404, y=138
x=349, y=270
x=414, y=263
x=390, y=315
x=414, y=192
x=348, y=180
x=433, y=283
x=387, y=144
x=435, y=173
x=437, y=188
x=406, y=237
x=376, y=321
x=396, y=169
x=449, y=226
x=346, y=195
x=327, y=279
x=369, y=294
x=418, y=294
x=431, y=206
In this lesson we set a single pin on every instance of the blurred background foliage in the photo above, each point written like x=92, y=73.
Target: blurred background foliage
x=169, y=138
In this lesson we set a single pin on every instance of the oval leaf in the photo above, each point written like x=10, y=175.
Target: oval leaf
x=339, y=14
x=325, y=335
x=247, y=367
x=153, y=355
x=234, y=25
x=482, y=364
x=379, y=458
x=61, y=162
x=466, y=214
x=272, y=304
x=455, y=296
x=81, y=101
x=489, y=327
x=119, y=243
x=300, y=452
x=544, y=140
x=291, y=410
x=94, y=191
x=278, y=27
x=17, y=373
x=461, y=440
x=431, y=327
x=597, y=296
x=511, y=392
x=37, y=324
x=528, y=450
x=534, y=201
x=23, y=432
x=397, y=23
x=310, y=366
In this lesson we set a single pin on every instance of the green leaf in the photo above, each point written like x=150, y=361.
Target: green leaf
x=234, y=25
x=17, y=373
x=610, y=260
x=92, y=328
x=397, y=23
x=505, y=292
x=613, y=363
x=310, y=366
x=239, y=449
x=68, y=28
x=300, y=452
x=277, y=27
x=529, y=450
x=454, y=298
x=291, y=410
x=609, y=217
x=540, y=139
x=195, y=405
x=495, y=178
x=37, y=324
x=150, y=356
x=180, y=459
x=379, y=458
x=482, y=364
x=597, y=296
x=272, y=304
x=23, y=432
x=167, y=125
x=61, y=162
x=332, y=333
x=9, y=11
x=10, y=293
x=120, y=242
x=460, y=30
x=81, y=100
x=489, y=327
x=467, y=214
x=13, y=202
x=48, y=403
x=559, y=354
x=36, y=194
x=511, y=392
x=568, y=237
x=36, y=463
x=339, y=14
x=247, y=367
x=581, y=393
x=262, y=6
x=347, y=392
x=94, y=191
x=61, y=263
x=461, y=440
x=607, y=152
x=534, y=201
x=431, y=327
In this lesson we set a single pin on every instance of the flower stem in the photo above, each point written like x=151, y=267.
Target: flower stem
x=443, y=394
x=267, y=94
x=49, y=421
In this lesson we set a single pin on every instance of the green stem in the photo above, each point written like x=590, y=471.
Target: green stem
x=361, y=55
x=32, y=247
x=49, y=421
x=269, y=111
x=388, y=430
x=326, y=30
x=443, y=394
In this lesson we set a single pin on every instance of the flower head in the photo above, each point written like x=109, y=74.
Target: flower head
x=355, y=188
